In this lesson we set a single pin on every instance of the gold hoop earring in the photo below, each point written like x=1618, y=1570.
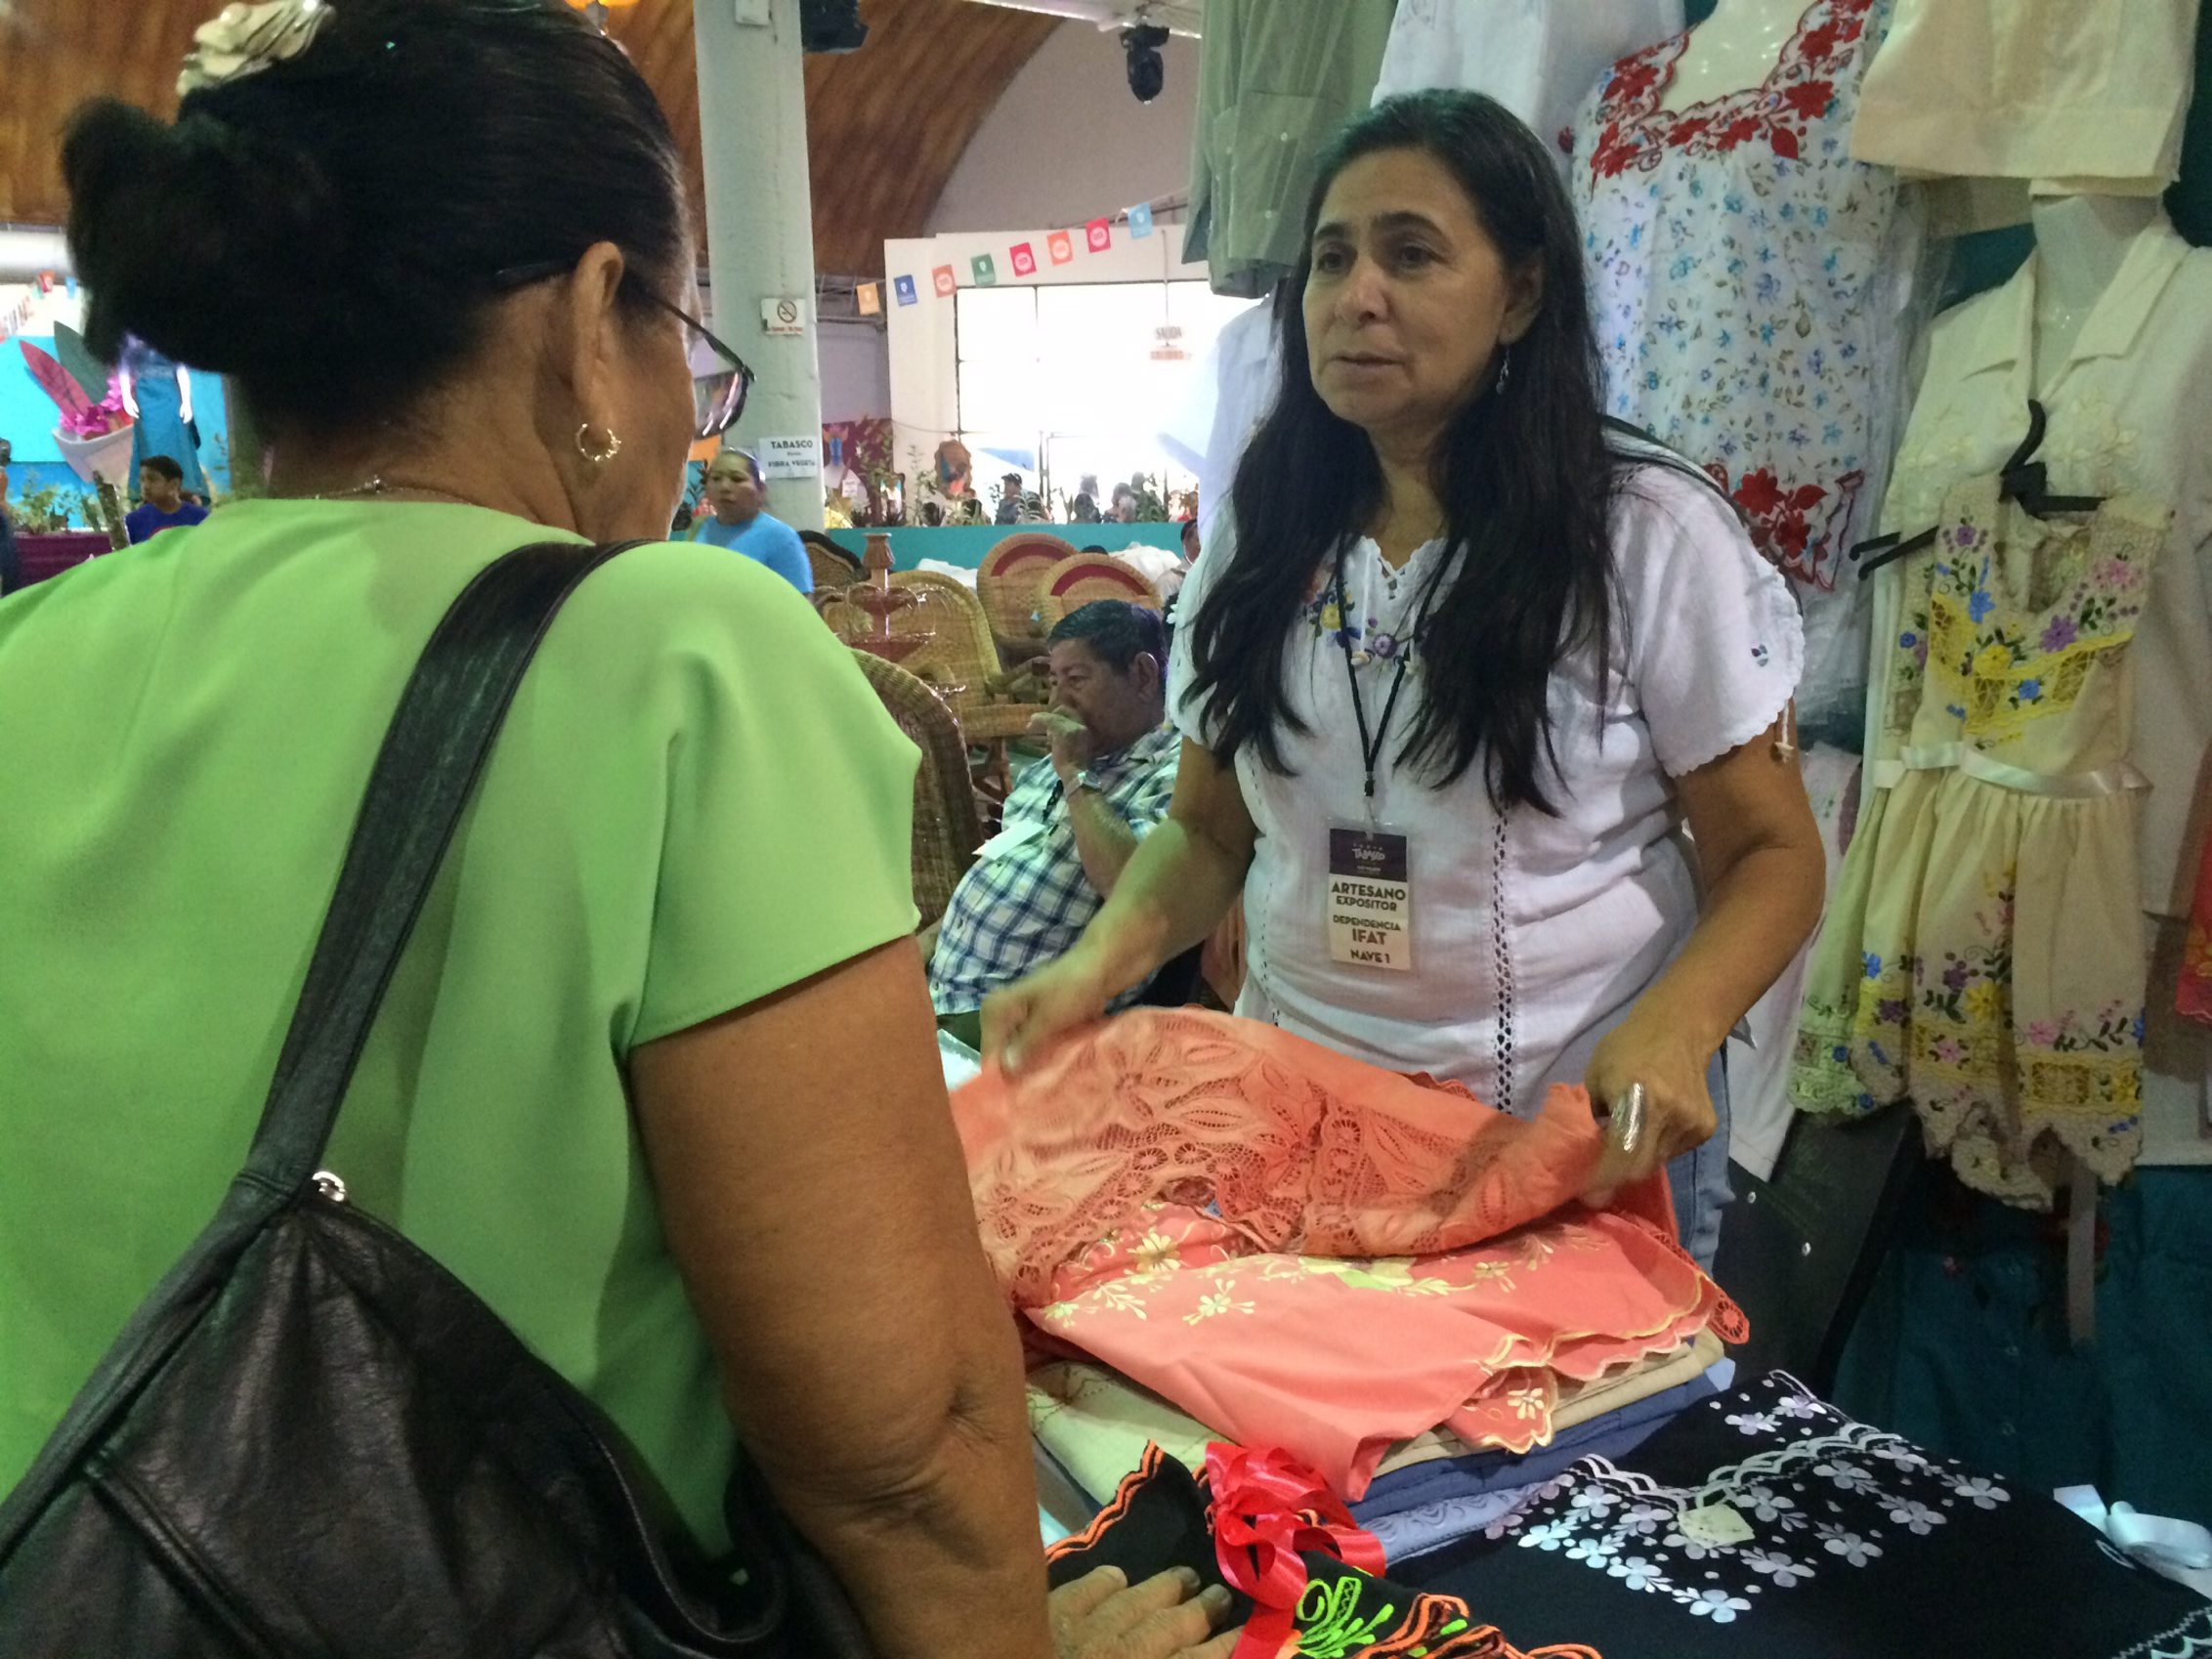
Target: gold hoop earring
x=602, y=457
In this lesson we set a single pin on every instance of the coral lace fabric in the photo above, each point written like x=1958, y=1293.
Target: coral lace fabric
x=1305, y=1252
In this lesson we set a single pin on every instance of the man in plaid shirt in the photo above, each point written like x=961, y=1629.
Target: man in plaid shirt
x=1072, y=819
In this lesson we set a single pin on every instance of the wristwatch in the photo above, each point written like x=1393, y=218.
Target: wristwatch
x=1088, y=779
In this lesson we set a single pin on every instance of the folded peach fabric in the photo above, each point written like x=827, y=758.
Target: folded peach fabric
x=1307, y=1252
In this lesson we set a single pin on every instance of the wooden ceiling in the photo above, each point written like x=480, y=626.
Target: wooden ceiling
x=885, y=125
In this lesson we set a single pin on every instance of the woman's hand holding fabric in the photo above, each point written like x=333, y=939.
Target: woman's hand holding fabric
x=1171, y=896
x=1649, y=1050
x=1026, y=1015
x=1101, y=1616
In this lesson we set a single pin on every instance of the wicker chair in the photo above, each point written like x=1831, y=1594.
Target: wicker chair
x=960, y=655
x=1008, y=578
x=948, y=828
x=834, y=568
x=962, y=662
x=1074, y=583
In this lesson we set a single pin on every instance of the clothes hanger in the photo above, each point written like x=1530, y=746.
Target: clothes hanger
x=2022, y=479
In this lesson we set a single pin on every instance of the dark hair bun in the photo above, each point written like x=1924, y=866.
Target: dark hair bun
x=199, y=237
x=330, y=229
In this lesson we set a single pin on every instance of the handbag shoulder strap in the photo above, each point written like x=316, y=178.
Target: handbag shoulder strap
x=432, y=755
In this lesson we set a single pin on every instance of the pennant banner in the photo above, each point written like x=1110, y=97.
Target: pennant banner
x=1024, y=259
x=946, y=281
x=869, y=299
x=1099, y=234
x=903, y=287
x=985, y=269
x=1141, y=220
x=16, y=319
x=1061, y=246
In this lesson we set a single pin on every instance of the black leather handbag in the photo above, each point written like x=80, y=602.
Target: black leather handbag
x=311, y=1439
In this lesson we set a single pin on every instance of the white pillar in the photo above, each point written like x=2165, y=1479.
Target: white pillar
x=760, y=221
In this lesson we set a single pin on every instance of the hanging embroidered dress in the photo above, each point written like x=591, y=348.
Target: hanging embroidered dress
x=1749, y=281
x=1984, y=955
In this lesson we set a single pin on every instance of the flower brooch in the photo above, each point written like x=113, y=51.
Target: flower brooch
x=244, y=40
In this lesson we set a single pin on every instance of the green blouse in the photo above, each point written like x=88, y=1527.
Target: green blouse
x=697, y=800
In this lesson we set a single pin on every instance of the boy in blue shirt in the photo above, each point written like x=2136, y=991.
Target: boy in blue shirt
x=161, y=500
x=736, y=520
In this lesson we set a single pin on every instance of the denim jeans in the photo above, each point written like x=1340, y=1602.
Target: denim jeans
x=1699, y=1178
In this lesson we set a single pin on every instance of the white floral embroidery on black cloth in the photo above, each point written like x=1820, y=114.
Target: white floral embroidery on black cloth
x=2191, y=1638
x=1819, y=1538
x=1821, y=1494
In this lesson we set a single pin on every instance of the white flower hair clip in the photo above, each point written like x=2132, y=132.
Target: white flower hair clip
x=244, y=40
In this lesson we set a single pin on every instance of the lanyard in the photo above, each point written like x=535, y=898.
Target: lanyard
x=1371, y=747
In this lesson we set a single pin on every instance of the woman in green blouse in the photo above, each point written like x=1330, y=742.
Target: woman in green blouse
x=441, y=249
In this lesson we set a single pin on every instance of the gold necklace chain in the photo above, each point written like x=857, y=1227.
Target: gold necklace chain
x=376, y=484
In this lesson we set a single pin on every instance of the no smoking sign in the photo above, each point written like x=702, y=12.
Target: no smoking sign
x=784, y=315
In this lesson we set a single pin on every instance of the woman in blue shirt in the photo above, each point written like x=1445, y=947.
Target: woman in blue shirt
x=736, y=520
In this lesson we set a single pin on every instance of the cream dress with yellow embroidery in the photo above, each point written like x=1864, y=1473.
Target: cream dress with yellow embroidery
x=1984, y=955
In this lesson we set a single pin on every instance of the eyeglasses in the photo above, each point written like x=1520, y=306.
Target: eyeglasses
x=721, y=380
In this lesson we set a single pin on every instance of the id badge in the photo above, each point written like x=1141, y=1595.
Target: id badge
x=1010, y=841
x=1370, y=900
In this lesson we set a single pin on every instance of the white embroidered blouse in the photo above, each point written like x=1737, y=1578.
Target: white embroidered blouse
x=1531, y=934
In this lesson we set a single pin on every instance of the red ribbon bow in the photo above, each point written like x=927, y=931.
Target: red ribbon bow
x=1269, y=1512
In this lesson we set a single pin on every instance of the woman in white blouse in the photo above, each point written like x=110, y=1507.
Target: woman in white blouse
x=1473, y=869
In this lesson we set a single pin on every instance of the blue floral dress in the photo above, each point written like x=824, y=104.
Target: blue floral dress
x=1748, y=279
x=1982, y=956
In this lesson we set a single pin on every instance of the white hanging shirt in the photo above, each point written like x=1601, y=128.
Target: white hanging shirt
x=1536, y=58
x=1247, y=372
x=1224, y=401
x=1531, y=934
x=2090, y=95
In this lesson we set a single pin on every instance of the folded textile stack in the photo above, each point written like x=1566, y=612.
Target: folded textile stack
x=1298, y=1251
x=1097, y=1426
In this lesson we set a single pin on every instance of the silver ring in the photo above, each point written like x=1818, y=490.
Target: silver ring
x=1628, y=1112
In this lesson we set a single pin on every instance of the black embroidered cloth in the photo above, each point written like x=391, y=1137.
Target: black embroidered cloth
x=1768, y=1523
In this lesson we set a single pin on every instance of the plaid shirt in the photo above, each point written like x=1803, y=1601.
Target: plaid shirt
x=1027, y=904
